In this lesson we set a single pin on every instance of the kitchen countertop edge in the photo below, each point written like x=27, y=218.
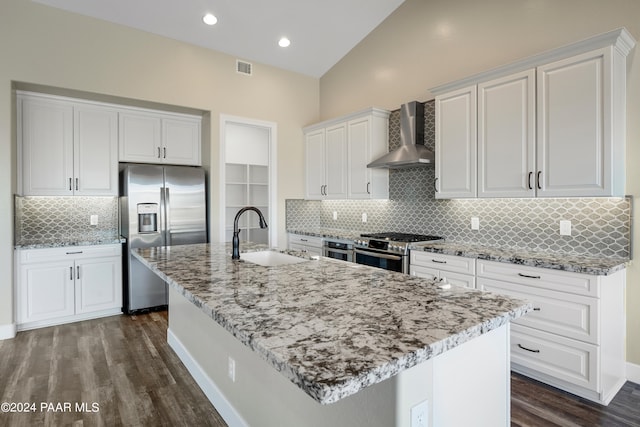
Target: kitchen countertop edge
x=50, y=245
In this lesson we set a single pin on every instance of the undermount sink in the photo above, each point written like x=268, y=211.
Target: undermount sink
x=270, y=258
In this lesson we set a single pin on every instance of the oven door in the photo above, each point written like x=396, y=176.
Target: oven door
x=380, y=259
x=342, y=254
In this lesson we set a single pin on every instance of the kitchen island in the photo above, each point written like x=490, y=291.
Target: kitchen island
x=325, y=342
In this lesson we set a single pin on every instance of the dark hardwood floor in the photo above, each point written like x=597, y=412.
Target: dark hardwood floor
x=123, y=365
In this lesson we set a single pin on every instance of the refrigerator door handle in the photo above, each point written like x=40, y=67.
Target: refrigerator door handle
x=163, y=213
x=167, y=216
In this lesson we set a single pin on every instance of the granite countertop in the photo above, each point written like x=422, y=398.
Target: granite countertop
x=329, y=326
x=599, y=266
x=577, y=264
x=44, y=244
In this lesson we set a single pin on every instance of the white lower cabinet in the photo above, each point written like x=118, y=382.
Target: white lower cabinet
x=456, y=270
x=303, y=243
x=574, y=337
x=62, y=285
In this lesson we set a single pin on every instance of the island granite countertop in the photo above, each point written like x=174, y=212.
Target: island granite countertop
x=330, y=327
x=599, y=266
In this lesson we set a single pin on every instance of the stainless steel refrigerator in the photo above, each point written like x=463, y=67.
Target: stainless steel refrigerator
x=159, y=206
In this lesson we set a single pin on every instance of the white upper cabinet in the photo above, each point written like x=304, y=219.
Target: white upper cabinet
x=326, y=160
x=368, y=140
x=315, y=164
x=336, y=162
x=456, y=148
x=337, y=153
x=66, y=148
x=552, y=125
x=506, y=136
x=580, y=150
x=155, y=137
x=96, y=151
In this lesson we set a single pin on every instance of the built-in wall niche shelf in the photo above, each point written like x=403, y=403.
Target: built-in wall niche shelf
x=246, y=185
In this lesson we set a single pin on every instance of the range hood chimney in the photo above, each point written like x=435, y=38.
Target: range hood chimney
x=412, y=151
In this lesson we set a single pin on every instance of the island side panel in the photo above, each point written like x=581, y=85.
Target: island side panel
x=261, y=396
x=472, y=382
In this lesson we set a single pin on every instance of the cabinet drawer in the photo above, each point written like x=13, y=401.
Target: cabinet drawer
x=456, y=264
x=563, y=281
x=305, y=240
x=563, y=358
x=569, y=315
x=424, y=272
x=69, y=252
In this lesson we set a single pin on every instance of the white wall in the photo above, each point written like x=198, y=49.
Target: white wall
x=45, y=46
x=424, y=44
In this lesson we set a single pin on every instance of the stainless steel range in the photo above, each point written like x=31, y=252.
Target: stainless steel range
x=388, y=250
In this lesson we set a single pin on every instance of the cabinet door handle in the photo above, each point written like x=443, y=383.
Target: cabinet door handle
x=76, y=184
x=158, y=152
x=368, y=185
x=70, y=188
x=70, y=273
x=528, y=349
x=528, y=276
x=435, y=185
x=164, y=152
x=78, y=272
x=73, y=253
x=536, y=309
x=303, y=240
x=529, y=181
x=438, y=261
x=538, y=180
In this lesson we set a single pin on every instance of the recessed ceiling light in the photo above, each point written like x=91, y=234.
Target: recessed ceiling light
x=284, y=42
x=209, y=19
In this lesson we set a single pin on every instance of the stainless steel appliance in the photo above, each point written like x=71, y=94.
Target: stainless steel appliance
x=388, y=250
x=338, y=249
x=159, y=206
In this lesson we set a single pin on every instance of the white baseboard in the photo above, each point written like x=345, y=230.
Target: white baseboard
x=7, y=331
x=633, y=373
x=213, y=393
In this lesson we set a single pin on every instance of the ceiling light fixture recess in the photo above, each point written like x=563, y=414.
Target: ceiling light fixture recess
x=284, y=42
x=209, y=19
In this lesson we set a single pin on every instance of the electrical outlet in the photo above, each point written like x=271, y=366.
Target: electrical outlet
x=475, y=223
x=364, y=217
x=565, y=228
x=335, y=215
x=419, y=414
x=232, y=369
x=93, y=220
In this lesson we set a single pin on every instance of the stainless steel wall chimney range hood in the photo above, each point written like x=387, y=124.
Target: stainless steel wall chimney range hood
x=412, y=151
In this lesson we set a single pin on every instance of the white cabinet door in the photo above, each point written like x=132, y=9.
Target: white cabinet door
x=45, y=135
x=46, y=291
x=181, y=141
x=314, y=164
x=456, y=149
x=98, y=284
x=140, y=137
x=574, y=126
x=95, y=151
x=359, y=156
x=506, y=136
x=336, y=162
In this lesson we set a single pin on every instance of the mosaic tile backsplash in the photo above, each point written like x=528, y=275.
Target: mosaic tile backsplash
x=600, y=226
x=41, y=220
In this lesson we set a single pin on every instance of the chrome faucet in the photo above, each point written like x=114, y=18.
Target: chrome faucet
x=236, y=231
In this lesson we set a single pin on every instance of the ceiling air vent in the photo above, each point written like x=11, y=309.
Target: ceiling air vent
x=243, y=67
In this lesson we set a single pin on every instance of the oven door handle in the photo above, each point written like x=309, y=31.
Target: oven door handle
x=378, y=255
